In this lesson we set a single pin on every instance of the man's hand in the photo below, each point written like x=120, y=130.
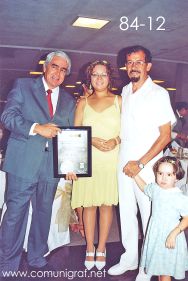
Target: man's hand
x=131, y=169
x=48, y=130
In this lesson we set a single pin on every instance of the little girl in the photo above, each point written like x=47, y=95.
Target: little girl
x=165, y=251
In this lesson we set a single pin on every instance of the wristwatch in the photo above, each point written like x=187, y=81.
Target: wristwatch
x=140, y=165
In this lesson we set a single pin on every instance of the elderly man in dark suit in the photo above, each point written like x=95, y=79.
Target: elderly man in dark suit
x=34, y=110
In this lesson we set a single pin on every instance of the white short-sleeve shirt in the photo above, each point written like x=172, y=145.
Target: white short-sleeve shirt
x=143, y=112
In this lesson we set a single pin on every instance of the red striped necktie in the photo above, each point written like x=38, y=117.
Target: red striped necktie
x=49, y=100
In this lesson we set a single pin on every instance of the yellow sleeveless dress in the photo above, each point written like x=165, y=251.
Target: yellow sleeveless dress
x=101, y=188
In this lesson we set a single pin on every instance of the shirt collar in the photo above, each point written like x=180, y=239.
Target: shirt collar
x=148, y=82
x=55, y=90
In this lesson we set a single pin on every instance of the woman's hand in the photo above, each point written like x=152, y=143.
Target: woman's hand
x=71, y=176
x=103, y=145
x=98, y=143
x=111, y=143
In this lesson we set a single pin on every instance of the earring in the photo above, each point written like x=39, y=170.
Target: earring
x=109, y=86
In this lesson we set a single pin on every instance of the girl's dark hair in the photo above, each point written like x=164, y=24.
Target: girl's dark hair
x=90, y=68
x=177, y=167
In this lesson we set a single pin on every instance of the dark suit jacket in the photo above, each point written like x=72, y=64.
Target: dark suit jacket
x=178, y=128
x=26, y=105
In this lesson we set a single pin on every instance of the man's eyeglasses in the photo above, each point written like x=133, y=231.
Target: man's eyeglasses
x=102, y=75
x=137, y=63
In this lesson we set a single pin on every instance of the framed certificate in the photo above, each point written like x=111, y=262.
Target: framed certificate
x=72, y=151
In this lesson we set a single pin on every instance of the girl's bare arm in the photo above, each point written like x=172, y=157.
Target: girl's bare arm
x=171, y=239
x=140, y=182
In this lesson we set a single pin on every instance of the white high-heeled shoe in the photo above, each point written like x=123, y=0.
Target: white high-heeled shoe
x=100, y=264
x=90, y=264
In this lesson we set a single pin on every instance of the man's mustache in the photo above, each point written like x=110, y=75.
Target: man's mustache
x=136, y=71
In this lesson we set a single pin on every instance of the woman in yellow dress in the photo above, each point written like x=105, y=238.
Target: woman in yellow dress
x=101, y=111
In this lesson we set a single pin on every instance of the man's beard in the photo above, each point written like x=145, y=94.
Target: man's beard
x=134, y=79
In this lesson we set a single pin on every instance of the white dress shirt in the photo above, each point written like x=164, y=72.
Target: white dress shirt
x=54, y=97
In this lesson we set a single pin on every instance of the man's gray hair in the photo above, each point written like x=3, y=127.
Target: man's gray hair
x=59, y=54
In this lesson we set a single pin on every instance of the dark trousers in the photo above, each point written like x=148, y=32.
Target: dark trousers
x=19, y=194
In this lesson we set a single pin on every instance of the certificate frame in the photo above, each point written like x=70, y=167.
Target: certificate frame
x=72, y=151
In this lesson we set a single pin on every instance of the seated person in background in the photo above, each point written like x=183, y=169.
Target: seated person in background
x=178, y=133
x=3, y=143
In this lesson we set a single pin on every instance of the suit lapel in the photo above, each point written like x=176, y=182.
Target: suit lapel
x=40, y=95
x=60, y=102
x=60, y=106
x=61, y=113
